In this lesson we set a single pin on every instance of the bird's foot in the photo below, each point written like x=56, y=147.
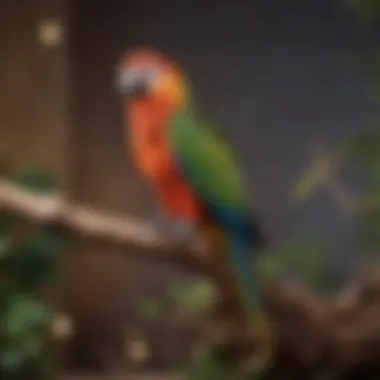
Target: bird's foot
x=178, y=231
x=162, y=223
x=183, y=232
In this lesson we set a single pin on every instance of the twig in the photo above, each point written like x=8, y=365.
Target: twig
x=327, y=165
x=323, y=174
x=319, y=172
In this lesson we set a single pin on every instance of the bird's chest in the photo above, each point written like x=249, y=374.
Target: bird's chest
x=148, y=143
x=157, y=164
x=152, y=156
x=155, y=160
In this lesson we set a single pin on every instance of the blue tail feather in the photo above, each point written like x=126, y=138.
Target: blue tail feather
x=240, y=257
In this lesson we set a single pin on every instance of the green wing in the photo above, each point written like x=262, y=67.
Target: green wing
x=206, y=162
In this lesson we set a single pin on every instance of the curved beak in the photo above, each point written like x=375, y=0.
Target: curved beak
x=132, y=86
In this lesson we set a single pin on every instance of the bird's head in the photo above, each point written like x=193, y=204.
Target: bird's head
x=146, y=76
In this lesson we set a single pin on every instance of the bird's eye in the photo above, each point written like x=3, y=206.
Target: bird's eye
x=129, y=79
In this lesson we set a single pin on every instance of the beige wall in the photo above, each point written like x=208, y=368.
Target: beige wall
x=33, y=88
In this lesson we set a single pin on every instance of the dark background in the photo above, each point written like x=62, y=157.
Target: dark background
x=271, y=75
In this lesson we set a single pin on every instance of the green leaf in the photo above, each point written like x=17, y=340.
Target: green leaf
x=303, y=257
x=367, y=12
x=365, y=147
x=24, y=317
x=369, y=234
x=214, y=365
x=8, y=222
x=270, y=266
x=23, y=328
x=10, y=360
x=194, y=297
x=149, y=308
x=37, y=179
x=5, y=248
x=34, y=261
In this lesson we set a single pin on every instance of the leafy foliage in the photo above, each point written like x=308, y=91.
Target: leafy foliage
x=303, y=258
x=36, y=179
x=213, y=365
x=150, y=309
x=191, y=297
x=366, y=146
x=194, y=297
x=366, y=11
x=25, y=264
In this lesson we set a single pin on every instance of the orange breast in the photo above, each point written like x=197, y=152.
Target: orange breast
x=154, y=160
x=179, y=200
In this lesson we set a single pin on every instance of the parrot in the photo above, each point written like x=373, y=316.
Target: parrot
x=191, y=170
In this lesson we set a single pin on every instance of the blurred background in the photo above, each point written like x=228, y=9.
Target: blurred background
x=273, y=76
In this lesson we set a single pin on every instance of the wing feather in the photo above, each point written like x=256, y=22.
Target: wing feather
x=207, y=163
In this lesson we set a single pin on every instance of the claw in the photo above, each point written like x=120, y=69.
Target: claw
x=162, y=223
x=183, y=232
x=179, y=232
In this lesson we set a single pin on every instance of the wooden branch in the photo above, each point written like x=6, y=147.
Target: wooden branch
x=88, y=222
